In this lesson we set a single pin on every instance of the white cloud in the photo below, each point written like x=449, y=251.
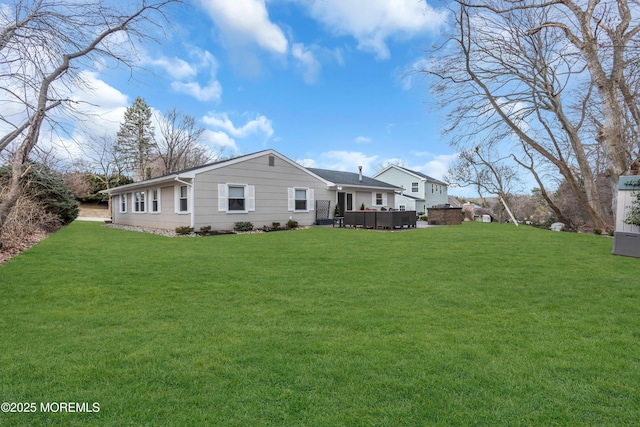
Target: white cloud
x=307, y=163
x=185, y=74
x=348, y=161
x=246, y=21
x=413, y=75
x=307, y=62
x=362, y=140
x=258, y=126
x=372, y=22
x=213, y=91
x=177, y=68
x=309, y=59
x=104, y=104
x=437, y=167
x=219, y=139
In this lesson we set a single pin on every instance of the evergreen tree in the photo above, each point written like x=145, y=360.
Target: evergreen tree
x=135, y=138
x=47, y=187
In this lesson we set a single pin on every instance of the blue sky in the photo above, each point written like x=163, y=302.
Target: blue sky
x=320, y=81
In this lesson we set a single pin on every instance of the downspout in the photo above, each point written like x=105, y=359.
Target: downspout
x=191, y=199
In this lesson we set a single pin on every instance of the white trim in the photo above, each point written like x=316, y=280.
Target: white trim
x=158, y=191
x=191, y=174
x=291, y=199
x=374, y=198
x=267, y=153
x=250, y=198
x=223, y=202
x=178, y=198
x=123, y=198
x=249, y=195
x=139, y=204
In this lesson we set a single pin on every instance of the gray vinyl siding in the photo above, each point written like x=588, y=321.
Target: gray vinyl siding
x=270, y=182
x=166, y=218
x=271, y=196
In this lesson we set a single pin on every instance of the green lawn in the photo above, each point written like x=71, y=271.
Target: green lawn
x=478, y=324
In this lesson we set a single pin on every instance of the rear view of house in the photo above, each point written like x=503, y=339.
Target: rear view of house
x=261, y=188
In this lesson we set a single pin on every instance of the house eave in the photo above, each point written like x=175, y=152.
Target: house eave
x=141, y=184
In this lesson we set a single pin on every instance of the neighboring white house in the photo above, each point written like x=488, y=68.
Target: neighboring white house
x=261, y=188
x=420, y=191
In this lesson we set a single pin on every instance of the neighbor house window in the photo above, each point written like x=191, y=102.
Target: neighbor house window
x=236, y=198
x=301, y=199
x=183, y=198
x=138, y=201
x=154, y=196
x=414, y=187
x=123, y=203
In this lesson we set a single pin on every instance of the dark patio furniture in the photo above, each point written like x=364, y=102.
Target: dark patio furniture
x=380, y=219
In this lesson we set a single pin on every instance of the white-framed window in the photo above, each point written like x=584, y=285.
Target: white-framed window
x=236, y=198
x=139, y=201
x=378, y=199
x=123, y=203
x=300, y=199
x=414, y=187
x=182, y=199
x=154, y=200
x=402, y=208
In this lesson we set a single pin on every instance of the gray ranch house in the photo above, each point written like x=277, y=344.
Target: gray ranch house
x=261, y=188
x=420, y=191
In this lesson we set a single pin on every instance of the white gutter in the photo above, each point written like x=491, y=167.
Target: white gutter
x=191, y=200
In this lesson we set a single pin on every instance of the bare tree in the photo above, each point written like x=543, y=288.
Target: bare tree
x=179, y=144
x=43, y=44
x=532, y=71
x=530, y=165
x=103, y=161
x=480, y=168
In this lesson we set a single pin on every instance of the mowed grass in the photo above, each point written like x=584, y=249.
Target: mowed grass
x=478, y=324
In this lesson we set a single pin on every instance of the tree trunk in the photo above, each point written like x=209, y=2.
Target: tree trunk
x=18, y=168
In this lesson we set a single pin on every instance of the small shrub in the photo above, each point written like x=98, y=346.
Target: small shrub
x=424, y=218
x=633, y=216
x=275, y=225
x=184, y=230
x=243, y=226
x=597, y=232
x=292, y=224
